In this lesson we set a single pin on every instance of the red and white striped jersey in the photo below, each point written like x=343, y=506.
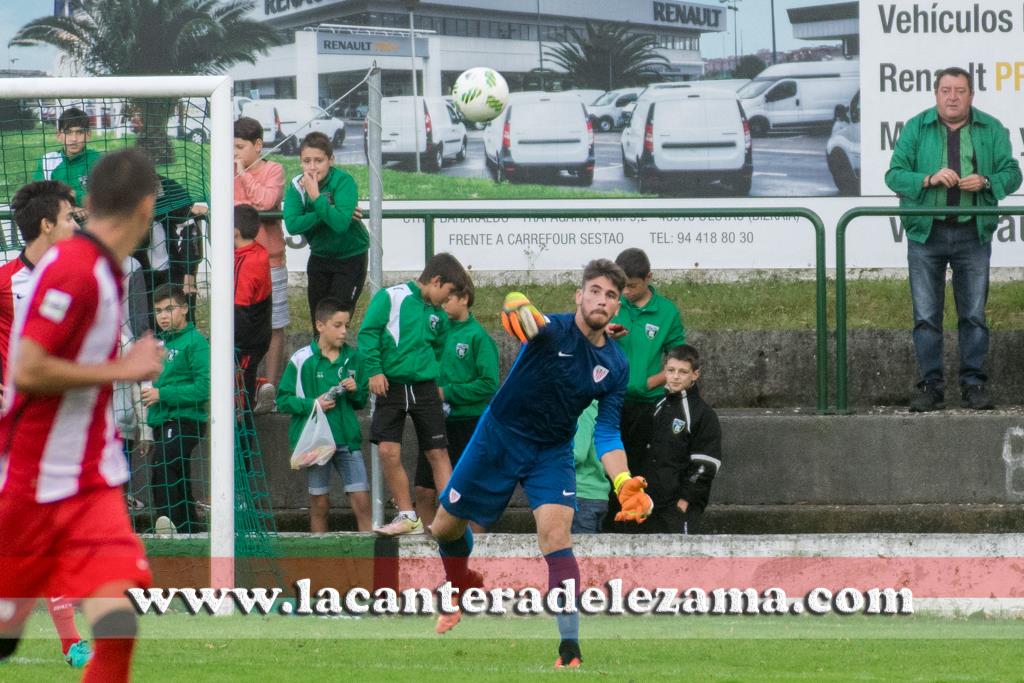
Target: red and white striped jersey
x=53, y=447
x=14, y=283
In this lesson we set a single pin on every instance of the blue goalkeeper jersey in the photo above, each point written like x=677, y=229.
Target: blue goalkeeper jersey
x=555, y=377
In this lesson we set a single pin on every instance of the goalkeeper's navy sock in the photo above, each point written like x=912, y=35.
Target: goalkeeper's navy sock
x=562, y=566
x=455, y=557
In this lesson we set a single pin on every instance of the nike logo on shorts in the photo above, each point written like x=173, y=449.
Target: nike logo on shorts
x=564, y=355
x=568, y=493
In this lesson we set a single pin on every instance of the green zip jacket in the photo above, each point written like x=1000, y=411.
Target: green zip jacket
x=185, y=382
x=327, y=222
x=591, y=481
x=469, y=368
x=310, y=374
x=73, y=171
x=653, y=329
x=919, y=152
x=402, y=335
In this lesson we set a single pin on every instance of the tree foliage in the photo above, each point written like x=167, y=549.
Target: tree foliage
x=607, y=56
x=749, y=67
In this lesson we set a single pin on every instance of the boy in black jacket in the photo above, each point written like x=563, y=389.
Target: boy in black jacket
x=684, y=452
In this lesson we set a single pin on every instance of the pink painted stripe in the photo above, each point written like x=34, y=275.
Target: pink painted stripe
x=926, y=577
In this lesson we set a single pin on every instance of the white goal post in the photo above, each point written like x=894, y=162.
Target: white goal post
x=221, y=271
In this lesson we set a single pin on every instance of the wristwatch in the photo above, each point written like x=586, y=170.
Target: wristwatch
x=988, y=183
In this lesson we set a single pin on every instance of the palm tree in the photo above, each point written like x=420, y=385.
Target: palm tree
x=154, y=37
x=608, y=56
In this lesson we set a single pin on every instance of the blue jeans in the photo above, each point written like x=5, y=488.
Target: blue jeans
x=589, y=516
x=960, y=248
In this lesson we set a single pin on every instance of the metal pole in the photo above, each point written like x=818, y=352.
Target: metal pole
x=774, y=57
x=540, y=48
x=416, y=113
x=376, y=256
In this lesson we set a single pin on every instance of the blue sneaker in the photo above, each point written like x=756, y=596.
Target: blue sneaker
x=78, y=654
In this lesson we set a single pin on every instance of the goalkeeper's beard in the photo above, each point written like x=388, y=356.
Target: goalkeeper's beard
x=596, y=320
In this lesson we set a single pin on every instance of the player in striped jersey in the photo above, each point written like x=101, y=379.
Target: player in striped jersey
x=62, y=514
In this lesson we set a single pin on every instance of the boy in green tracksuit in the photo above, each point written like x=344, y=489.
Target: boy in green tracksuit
x=319, y=205
x=592, y=485
x=177, y=412
x=653, y=326
x=73, y=163
x=468, y=380
x=401, y=340
x=328, y=372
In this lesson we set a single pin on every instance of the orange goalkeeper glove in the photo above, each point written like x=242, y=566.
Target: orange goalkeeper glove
x=636, y=505
x=520, y=318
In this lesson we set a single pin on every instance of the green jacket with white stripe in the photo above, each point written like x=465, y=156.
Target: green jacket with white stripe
x=310, y=374
x=402, y=335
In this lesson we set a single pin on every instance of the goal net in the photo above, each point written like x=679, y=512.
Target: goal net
x=212, y=484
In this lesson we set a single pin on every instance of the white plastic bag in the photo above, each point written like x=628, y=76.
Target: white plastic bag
x=316, y=442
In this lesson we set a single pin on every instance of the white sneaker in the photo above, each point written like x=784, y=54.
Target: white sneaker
x=400, y=526
x=164, y=526
x=265, y=396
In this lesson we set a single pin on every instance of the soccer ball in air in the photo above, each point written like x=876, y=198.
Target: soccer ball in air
x=480, y=93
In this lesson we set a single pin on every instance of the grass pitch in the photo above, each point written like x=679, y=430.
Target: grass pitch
x=178, y=647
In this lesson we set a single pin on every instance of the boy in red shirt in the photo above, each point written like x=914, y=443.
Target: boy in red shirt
x=252, y=301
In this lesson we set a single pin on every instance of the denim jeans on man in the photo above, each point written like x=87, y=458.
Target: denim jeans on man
x=959, y=246
x=589, y=516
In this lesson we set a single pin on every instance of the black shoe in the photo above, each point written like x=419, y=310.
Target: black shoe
x=569, y=656
x=976, y=397
x=929, y=397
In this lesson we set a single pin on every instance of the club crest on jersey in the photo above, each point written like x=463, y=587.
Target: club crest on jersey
x=453, y=496
x=461, y=350
x=678, y=425
x=434, y=320
x=600, y=372
x=651, y=330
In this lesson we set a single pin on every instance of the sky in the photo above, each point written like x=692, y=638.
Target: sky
x=753, y=20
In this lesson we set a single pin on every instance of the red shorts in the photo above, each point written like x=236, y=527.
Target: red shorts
x=68, y=548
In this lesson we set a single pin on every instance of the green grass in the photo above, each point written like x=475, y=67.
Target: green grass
x=769, y=304
x=408, y=185
x=181, y=648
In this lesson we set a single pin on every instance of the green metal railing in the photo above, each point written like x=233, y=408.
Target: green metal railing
x=842, y=389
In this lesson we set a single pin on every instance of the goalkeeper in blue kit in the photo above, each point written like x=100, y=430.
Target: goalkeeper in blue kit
x=525, y=437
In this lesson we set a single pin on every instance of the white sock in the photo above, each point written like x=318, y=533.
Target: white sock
x=409, y=514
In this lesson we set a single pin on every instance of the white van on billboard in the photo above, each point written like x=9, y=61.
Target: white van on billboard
x=799, y=93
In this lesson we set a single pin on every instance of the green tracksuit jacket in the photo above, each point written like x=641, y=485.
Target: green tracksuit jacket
x=185, y=382
x=402, y=335
x=653, y=329
x=310, y=374
x=327, y=222
x=469, y=368
x=73, y=171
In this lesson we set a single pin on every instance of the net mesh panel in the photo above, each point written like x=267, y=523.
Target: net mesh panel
x=175, y=134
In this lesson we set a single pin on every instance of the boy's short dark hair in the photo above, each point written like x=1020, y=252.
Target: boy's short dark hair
x=634, y=263
x=957, y=72
x=327, y=307
x=317, y=140
x=685, y=353
x=247, y=221
x=36, y=201
x=72, y=117
x=446, y=267
x=467, y=290
x=248, y=128
x=119, y=182
x=170, y=291
x=602, y=267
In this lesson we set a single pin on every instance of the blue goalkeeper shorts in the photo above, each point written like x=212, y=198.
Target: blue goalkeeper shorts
x=494, y=461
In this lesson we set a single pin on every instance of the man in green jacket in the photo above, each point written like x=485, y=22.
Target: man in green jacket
x=73, y=163
x=653, y=326
x=951, y=155
x=468, y=379
x=177, y=411
x=592, y=485
x=401, y=340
